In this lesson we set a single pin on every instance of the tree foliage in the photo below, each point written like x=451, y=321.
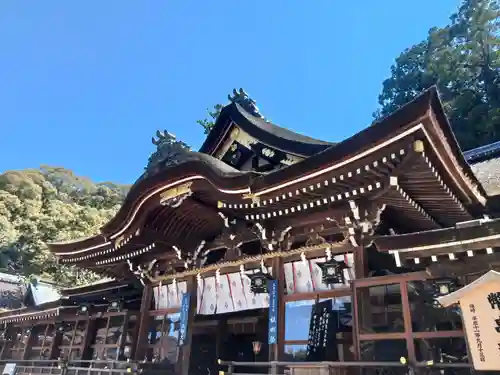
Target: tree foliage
x=46, y=205
x=208, y=123
x=463, y=60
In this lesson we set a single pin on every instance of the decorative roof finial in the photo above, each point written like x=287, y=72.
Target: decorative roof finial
x=169, y=152
x=241, y=97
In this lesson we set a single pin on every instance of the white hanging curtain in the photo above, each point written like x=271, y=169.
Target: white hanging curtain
x=168, y=296
x=306, y=276
x=232, y=293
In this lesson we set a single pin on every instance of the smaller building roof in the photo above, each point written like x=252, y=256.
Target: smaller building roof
x=49, y=303
x=488, y=173
x=42, y=292
x=24, y=314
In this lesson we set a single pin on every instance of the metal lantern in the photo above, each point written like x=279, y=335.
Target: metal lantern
x=26, y=335
x=62, y=364
x=333, y=271
x=127, y=351
x=256, y=347
x=443, y=286
x=62, y=327
x=115, y=305
x=258, y=282
x=83, y=309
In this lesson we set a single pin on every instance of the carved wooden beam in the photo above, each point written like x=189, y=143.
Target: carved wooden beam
x=363, y=220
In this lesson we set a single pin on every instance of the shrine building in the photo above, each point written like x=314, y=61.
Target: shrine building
x=268, y=245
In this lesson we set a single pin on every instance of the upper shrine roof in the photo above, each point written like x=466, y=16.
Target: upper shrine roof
x=258, y=175
x=242, y=113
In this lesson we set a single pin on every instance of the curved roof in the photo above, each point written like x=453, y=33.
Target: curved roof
x=265, y=131
x=418, y=115
x=197, y=167
x=213, y=180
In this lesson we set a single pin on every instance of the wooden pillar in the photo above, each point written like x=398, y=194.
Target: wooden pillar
x=185, y=354
x=56, y=342
x=88, y=338
x=276, y=351
x=220, y=340
x=355, y=323
x=360, y=260
x=7, y=344
x=140, y=347
x=123, y=337
x=410, y=345
x=360, y=298
x=29, y=342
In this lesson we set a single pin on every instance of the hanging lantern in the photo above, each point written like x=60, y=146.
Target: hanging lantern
x=127, y=351
x=443, y=286
x=258, y=282
x=62, y=364
x=115, y=305
x=256, y=346
x=26, y=335
x=83, y=309
x=333, y=271
x=62, y=327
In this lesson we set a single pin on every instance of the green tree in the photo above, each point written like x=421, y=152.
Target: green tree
x=463, y=60
x=45, y=205
x=208, y=123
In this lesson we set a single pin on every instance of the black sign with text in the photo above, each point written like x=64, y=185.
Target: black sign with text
x=323, y=328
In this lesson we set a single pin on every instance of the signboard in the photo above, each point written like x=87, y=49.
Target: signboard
x=480, y=305
x=322, y=333
x=272, y=287
x=186, y=298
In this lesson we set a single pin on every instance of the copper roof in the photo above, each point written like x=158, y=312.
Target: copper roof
x=265, y=131
x=361, y=167
x=488, y=174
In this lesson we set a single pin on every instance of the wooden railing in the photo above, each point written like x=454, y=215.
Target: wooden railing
x=344, y=368
x=46, y=367
x=79, y=367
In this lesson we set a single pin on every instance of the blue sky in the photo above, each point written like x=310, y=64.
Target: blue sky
x=85, y=84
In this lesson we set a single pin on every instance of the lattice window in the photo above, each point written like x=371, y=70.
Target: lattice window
x=19, y=340
x=72, y=340
x=43, y=336
x=162, y=338
x=114, y=337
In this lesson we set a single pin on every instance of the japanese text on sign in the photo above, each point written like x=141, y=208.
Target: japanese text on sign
x=494, y=301
x=477, y=333
x=480, y=308
x=272, y=287
x=186, y=297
